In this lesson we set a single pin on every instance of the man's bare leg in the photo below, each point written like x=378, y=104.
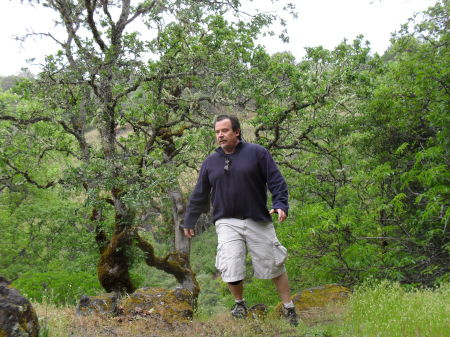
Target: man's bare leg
x=282, y=284
x=240, y=308
x=237, y=290
x=288, y=307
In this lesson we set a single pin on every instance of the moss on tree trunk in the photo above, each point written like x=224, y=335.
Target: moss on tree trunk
x=113, y=267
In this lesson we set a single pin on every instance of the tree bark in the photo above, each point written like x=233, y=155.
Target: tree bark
x=113, y=267
x=182, y=243
x=172, y=263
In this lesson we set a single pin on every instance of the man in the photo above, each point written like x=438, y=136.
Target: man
x=236, y=176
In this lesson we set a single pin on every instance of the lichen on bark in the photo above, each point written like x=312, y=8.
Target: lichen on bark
x=173, y=263
x=113, y=267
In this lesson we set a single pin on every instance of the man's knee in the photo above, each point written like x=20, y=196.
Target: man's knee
x=235, y=283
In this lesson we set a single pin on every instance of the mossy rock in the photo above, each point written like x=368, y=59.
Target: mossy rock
x=170, y=306
x=101, y=304
x=17, y=316
x=257, y=311
x=310, y=303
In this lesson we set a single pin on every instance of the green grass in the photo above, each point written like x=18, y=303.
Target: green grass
x=388, y=310
x=256, y=291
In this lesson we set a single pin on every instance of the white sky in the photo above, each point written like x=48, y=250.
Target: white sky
x=320, y=22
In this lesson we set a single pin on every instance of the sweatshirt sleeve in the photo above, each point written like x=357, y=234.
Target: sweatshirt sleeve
x=199, y=198
x=275, y=182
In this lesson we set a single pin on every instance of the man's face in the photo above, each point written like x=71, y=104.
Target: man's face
x=226, y=137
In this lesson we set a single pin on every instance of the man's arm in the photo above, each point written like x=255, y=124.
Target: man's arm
x=281, y=214
x=189, y=232
x=277, y=186
x=197, y=202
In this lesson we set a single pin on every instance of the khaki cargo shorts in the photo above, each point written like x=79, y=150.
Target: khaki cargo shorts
x=236, y=236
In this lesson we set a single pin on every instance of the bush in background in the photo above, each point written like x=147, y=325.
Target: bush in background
x=203, y=252
x=58, y=287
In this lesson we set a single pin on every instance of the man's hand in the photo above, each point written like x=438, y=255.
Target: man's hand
x=281, y=214
x=189, y=232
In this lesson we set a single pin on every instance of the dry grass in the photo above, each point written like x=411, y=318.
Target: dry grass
x=62, y=321
x=384, y=310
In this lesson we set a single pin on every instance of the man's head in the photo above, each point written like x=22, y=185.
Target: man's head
x=228, y=132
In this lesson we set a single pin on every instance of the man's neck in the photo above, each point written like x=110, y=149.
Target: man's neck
x=232, y=150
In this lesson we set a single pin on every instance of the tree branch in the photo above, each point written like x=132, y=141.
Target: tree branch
x=141, y=9
x=90, y=7
x=172, y=263
x=29, y=179
x=136, y=85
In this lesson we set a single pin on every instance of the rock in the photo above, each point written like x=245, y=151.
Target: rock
x=310, y=303
x=171, y=306
x=101, y=304
x=17, y=316
x=257, y=311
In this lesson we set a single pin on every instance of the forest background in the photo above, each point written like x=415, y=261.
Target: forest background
x=100, y=150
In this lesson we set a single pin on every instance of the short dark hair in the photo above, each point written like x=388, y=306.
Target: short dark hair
x=235, y=125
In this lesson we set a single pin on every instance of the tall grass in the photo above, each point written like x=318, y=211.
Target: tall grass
x=388, y=310
x=54, y=320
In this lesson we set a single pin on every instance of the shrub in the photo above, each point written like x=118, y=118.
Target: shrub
x=59, y=287
x=203, y=252
x=210, y=302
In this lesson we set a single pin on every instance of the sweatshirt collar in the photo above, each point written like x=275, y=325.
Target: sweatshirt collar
x=236, y=149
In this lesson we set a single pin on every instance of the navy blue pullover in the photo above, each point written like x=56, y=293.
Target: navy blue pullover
x=240, y=192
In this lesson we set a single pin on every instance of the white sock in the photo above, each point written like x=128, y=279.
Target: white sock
x=240, y=301
x=289, y=305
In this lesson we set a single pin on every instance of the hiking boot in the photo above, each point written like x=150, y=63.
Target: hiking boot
x=239, y=310
x=290, y=315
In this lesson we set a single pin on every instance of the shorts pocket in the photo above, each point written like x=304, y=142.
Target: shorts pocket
x=219, y=258
x=279, y=252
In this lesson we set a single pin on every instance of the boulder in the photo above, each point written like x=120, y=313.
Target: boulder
x=310, y=303
x=101, y=304
x=169, y=306
x=17, y=316
x=257, y=311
